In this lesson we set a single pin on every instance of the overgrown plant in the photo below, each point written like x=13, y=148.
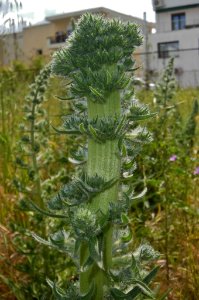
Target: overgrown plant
x=33, y=154
x=163, y=133
x=168, y=169
x=31, y=135
x=4, y=138
x=97, y=61
x=190, y=128
x=35, y=180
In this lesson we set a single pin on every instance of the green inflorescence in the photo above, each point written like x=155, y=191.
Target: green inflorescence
x=97, y=62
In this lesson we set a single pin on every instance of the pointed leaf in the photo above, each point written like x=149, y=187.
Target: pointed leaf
x=82, y=128
x=75, y=161
x=127, y=176
x=127, y=238
x=151, y=275
x=117, y=294
x=144, y=288
x=125, y=219
x=123, y=150
x=164, y=296
x=96, y=92
x=128, y=165
x=94, y=133
x=61, y=131
x=140, y=195
x=58, y=292
x=44, y=212
x=40, y=240
x=63, y=98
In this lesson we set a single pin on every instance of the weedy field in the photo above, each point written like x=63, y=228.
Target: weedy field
x=37, y=159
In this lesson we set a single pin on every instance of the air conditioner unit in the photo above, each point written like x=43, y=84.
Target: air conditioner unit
x=158, y=3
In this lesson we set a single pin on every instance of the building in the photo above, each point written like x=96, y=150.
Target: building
x=47, y=36
x=177, y=35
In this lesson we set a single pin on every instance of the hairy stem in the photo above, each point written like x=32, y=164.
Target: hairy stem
x=103, y=160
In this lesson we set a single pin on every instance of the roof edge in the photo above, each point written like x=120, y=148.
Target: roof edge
x=91, y=10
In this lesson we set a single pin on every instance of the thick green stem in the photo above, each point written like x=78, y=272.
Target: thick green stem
x=103, y=160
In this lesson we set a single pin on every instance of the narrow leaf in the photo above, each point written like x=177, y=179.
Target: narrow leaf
x=142, y=194
x=44, y=212
x=151, y=275
x=144, y=288
x=125, y=219
x=63, y=98
x=117, y=294
x=61, y=131
x=58, y=293
x=40, y=240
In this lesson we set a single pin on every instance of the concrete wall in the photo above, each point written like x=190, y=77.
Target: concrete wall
x=187, y=62
x=163, y=19
x=174, y=3
x=35, y=38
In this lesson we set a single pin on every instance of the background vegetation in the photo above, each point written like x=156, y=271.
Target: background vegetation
x=167, y=217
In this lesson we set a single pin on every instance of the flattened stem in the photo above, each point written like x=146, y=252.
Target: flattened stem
x=103, y=160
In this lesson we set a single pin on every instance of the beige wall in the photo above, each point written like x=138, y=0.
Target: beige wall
x=62, y=25
x=35, y=38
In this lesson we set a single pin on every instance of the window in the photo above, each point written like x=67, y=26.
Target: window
x=178, y=21
x=39, y=51
x=168, y=49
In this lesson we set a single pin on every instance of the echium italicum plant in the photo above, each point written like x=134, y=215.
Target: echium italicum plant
x=32, y=139
x=33, y=152
x=35, y=179
x=97, y=61
x=191, y=125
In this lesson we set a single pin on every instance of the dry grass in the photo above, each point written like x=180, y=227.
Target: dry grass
x=10, y=277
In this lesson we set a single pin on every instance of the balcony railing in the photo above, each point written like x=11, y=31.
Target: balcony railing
x=192, y=26
x=58, y=39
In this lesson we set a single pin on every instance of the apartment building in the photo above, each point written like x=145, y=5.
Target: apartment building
x=47, y=36
x=177, y=35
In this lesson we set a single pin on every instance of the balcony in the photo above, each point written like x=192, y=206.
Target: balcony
x=58, y=40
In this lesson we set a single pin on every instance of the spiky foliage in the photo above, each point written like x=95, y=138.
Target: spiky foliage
x=32, y=137
x=190, y=128
x=35, y=180
x=166, y=87
x=33, y=152
x=97, y=61
x=98, y=66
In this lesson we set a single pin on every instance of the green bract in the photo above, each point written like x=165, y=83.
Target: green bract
x=96, y=56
